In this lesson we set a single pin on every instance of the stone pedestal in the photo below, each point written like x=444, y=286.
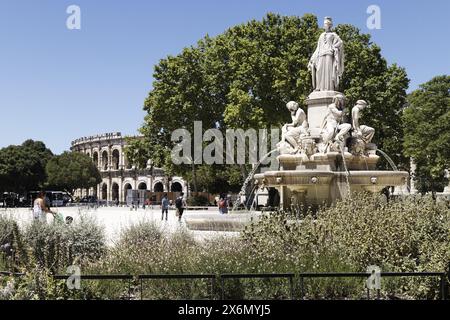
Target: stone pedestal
x=318, y=102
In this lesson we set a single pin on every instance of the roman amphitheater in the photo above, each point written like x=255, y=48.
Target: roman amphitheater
x=119, y=176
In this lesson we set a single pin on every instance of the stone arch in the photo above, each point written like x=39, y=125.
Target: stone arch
x=176, y=187
x=158, y=187
x=115, y=159
x=142, y=186
x=115, y=192
x=104, y=191
x=105, y=160
x=127, y=186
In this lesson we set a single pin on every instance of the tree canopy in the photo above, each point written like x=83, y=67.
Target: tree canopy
x=22, y=167
x=72, y=170
x=244, y=77
x=427, y=133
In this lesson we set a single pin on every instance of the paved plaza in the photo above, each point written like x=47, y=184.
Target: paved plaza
x=115, y=219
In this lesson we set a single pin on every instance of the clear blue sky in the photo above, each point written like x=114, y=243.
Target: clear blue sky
x=57, y=85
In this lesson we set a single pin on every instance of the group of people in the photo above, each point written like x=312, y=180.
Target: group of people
x=180, y=206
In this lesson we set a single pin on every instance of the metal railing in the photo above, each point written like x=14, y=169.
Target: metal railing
x=289, y=276
x=212, y=277
x=443, y=279
x=137, y=280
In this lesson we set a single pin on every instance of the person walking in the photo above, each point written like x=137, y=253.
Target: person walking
x=180, y=204
x=164, y=206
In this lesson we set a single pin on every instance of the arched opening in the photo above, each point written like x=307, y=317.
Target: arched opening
x=142, y=186
x=104, y=192
x=115, y=192
x=176, y=187
x=115, y=159
x=159, y=187
x=105, y=160
x=95, y=158
x=125, y=190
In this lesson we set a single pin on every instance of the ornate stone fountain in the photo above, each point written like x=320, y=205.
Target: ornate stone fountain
x=323, y=157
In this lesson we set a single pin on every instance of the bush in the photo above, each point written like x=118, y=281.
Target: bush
x=46, y=249
x=12, y=250
x=407, y=235
x=57, y=246
x=198, y=200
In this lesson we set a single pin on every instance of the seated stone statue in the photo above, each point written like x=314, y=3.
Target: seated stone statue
x=333, y=127
x=293, y=132
x=365, y=133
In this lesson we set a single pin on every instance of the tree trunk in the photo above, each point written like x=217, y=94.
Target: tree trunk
x=194, y=177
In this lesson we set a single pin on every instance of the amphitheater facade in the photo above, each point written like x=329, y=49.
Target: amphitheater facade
x=119, y=176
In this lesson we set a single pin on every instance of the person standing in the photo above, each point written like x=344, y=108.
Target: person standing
x=180, y=204
x=223, y=204
x=164, y=206
x=40, y=208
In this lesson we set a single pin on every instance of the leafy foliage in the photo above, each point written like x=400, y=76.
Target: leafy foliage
x=406, y=235
x=72, y=170
x=427, y=133
x=22, y=168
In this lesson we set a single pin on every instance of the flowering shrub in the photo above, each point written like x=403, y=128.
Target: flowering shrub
x=57, y=246
x=12, y=249
x=411, y=234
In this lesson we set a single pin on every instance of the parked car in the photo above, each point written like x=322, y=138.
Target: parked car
x=89, y=199
x=10, y=200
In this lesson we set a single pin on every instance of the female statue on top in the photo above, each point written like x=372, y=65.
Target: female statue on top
x=327, y=62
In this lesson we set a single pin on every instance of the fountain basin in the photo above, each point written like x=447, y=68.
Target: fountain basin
x=316, y=187
x=232, y=222
x=375, y=181
x=299, y=178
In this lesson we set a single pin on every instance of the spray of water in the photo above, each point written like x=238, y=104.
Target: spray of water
x=347, y=174
x=247, y=200
x=249, y=179
x=388, y=159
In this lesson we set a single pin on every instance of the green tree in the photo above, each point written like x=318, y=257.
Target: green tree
x=72, y=170
x=427, y=133
x=22, y=167
x=244, y=77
